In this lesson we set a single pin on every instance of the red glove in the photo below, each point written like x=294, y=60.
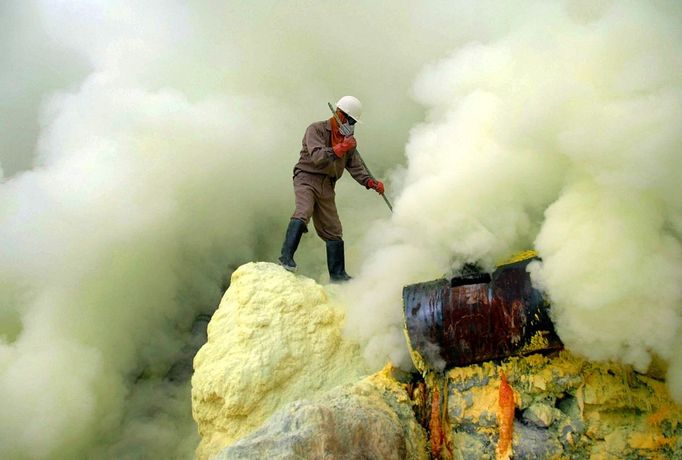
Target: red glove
x=376, y=185
x=348, y=143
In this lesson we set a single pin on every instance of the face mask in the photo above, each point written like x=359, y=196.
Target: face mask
x=346, y=129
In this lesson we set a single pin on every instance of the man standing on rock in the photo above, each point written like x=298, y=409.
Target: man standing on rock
x=327, y=150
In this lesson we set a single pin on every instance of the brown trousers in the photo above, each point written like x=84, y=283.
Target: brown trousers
x=315, y=198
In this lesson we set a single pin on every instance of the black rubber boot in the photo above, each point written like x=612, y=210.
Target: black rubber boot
x=336, y=262
x=291, y=239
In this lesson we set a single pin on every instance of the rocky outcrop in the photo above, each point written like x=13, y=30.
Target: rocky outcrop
x=277, y=380
x=275, y=338
x=371, y=419
x=565, y=407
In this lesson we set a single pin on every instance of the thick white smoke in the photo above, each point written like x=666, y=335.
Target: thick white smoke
x=148, y=150
x=561, y=134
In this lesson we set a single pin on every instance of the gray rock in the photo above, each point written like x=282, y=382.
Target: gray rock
x=569, y=431
x=541, y=415
x=535, y=443
x=351, y=422
x=468, y=446
x=488, y=419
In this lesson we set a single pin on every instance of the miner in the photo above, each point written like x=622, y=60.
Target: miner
x=328, y=148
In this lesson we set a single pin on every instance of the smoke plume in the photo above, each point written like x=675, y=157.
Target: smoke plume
x=558, y=134
x=147, y=150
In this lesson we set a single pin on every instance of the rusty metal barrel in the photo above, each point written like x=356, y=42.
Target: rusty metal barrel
x=478, y=317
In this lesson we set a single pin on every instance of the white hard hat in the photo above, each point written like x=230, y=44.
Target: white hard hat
x=351, y=106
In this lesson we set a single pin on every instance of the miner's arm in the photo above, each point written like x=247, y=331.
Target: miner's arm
x=357, y=168
x=314, y=140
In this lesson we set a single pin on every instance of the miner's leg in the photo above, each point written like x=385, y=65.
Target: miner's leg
x=336, y=262
x=291, y=239
x=328, y=227
x=305, y=201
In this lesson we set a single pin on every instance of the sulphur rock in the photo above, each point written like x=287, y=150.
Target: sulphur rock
x=567, y=407
x=541, y=415
x=275, y=338
x=370, y=419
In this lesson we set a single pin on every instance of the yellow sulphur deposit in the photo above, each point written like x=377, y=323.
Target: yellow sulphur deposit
x=275, y=338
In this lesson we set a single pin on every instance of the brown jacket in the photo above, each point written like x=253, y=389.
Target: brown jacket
x=318, y=157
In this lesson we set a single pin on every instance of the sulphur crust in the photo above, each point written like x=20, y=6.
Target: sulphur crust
x=275, y=338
